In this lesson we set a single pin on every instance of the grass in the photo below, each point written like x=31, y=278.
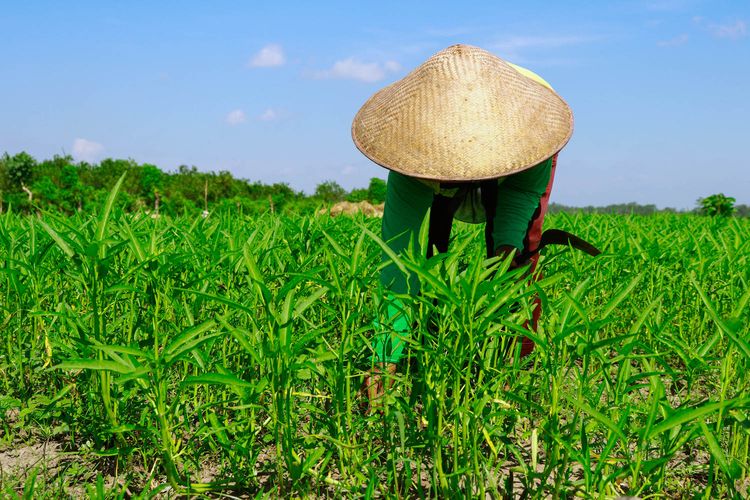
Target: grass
x=225, y=356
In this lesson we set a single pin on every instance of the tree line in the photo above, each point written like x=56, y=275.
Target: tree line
x=713, y=205
x=67, y=186
x=63, y=185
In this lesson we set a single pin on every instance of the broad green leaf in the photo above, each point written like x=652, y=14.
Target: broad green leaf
x=92, y=364
x=599, y=417
x=306, y=302
x=692, y=414
x=621, y=295
x=174, y=347
x=58, y=239
x=107, y=210
x=216, y=298
x=218, y=379
x=716, y=451
x=741, y=343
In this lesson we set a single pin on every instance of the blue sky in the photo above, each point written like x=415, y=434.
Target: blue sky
x=660, y=89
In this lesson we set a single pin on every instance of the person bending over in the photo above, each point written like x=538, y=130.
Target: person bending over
x=466, y=135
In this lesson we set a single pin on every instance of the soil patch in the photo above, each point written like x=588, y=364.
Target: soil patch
x=19, y=460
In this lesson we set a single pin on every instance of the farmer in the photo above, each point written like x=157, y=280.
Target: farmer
x=467, y=135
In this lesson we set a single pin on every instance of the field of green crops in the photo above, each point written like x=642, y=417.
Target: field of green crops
x=225, y=356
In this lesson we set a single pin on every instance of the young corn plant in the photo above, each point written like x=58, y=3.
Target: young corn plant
x=225, y=355
x=139, y=374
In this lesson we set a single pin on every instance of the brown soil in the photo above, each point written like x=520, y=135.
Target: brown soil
x=18, y=461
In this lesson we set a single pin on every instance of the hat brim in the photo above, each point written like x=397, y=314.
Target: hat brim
x=463, y=115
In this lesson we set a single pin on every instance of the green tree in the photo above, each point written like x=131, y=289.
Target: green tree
x=74, y=191
x=109, y=170
x=19, y=169
x=376, y=190
x=190, y=184
x=49, y=195
x=223, y=185
x=330, y=191
x=717, y=205
x=177, y=204
x=151, y=182
x=357, y=195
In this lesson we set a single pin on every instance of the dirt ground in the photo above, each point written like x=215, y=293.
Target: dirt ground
x=18, y=461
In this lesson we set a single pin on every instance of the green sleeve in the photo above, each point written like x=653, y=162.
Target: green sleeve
x=517, y=199
x=406, y=203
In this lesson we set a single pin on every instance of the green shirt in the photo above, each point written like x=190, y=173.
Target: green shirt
x=408, y=199
x=406, y=204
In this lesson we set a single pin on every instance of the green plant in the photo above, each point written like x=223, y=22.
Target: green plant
x=330, y=191
x=19, y=169
x=376, y=190
x=717, y=205
x=225, y=355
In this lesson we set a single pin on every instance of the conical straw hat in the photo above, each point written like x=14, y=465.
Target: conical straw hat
x=463, y=115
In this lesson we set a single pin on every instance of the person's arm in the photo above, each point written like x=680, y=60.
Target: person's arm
x=517, y=199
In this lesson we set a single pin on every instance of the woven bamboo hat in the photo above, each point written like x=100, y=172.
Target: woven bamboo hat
x=463, y=115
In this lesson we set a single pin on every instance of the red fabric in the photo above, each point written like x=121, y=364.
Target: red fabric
x=531, y=242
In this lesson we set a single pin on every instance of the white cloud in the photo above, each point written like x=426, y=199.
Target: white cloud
x=268, y=56
x=732, y=31
x=392, y=66
x=348, y=170
x=674, y=42
x=86, y=150
x=269, y=115
x=353, y=69
x=236, y=117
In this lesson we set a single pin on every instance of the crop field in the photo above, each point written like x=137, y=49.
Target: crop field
x=225, y=357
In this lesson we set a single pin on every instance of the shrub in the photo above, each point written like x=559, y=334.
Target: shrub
x=717, y=204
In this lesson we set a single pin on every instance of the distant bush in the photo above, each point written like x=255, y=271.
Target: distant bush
x=717, y=205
